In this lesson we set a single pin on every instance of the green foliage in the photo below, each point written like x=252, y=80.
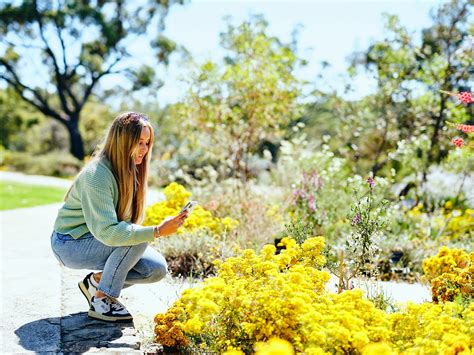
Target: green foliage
x=252, y=96
x=55, y=163
x=299, y=231
x=368, y=222
x=96, y=118
x=407, y=106
x=193, y=254
x=16, y=195
x=320, y=187
x=15, y=119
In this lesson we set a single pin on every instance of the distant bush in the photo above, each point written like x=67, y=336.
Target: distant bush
x=55, y=163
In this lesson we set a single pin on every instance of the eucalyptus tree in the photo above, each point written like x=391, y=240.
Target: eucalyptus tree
x=55, y=53
x=250, y=97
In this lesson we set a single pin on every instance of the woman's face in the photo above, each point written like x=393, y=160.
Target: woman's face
x=142, y=146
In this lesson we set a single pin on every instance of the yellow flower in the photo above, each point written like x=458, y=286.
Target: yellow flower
x=199, y=219
x=377, y=349
x=274, y=346
x=233, y=351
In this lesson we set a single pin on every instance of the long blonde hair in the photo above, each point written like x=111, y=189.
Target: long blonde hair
x=120, y=146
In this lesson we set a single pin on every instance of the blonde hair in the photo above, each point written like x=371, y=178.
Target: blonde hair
x=121, y=144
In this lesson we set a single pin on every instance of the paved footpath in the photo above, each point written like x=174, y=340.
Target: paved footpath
x=42, y=309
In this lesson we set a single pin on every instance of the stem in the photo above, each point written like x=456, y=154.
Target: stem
x=460, y=187
x=341, y=277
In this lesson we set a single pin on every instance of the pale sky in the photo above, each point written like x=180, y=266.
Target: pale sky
x=331, y=31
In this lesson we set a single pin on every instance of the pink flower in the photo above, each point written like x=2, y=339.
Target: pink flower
x=458, y=142
x=305, y=177
x=312, y=203
x=314, y=179
x=465, y=97
x=462, y=127
x=371, y=182
x=212, y=205
x=356, y=219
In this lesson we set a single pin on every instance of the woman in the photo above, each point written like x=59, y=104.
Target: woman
x=98, y=226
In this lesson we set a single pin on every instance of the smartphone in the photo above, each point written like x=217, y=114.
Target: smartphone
x=189, y=206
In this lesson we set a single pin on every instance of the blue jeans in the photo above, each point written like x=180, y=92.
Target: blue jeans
x=121, y=266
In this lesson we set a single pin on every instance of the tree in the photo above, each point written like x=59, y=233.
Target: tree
x=250, y=98
x=77, y=43
x=407, y=108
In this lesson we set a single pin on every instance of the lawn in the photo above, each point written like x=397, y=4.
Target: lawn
x=16, y=195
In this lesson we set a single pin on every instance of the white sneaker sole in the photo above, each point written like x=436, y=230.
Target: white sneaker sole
x=99, y=316
x=85, y=291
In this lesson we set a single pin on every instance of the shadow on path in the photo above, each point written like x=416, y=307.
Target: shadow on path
x=79, y=333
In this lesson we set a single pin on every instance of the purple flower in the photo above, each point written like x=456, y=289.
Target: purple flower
x=305, y=177
x=356, y=219
x=314, y=179
x=312, y=203
x=296, y=193
x=371, y=182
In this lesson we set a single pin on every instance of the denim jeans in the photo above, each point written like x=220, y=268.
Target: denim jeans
x=121, y=266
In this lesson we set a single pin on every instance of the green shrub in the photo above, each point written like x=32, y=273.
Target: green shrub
x=56, y=163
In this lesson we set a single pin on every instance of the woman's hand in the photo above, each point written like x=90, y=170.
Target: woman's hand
x=171, y=224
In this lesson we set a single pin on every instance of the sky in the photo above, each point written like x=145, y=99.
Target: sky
x=331, y=31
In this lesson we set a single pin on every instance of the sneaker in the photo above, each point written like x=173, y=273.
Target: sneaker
x=108, y=309
x=88, y=287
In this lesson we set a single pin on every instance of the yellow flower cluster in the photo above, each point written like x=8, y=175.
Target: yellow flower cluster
x=276, y=304
x=451, y=273
x=259, y=296
x=459, y=223
x=274, y=213
x=418, y=329
x=168, y=330
x=176, y=197
x=454, y=223
x=433, y=329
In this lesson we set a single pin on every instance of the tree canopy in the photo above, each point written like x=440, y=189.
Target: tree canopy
x=73, y=45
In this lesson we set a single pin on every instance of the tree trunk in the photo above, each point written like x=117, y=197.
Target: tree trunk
x=76, y=144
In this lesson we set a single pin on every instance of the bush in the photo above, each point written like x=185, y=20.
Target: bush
x=257, y=297
x=450, y=273
x=193, y=254
x=56, y=163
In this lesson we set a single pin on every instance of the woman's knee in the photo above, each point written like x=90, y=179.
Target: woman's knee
x=159, y=272
x=139, y=249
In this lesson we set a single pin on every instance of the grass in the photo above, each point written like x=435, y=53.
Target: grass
x=16, y=195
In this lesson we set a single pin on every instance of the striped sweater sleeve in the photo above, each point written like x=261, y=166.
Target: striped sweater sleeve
x=101, y=218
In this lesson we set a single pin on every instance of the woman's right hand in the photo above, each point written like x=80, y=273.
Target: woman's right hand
x=171, y=224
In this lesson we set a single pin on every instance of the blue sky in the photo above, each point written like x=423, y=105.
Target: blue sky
x=331, y=31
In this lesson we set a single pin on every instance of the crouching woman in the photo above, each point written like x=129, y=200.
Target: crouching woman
x=98, y=227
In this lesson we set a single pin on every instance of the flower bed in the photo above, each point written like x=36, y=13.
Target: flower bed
x=261, y=301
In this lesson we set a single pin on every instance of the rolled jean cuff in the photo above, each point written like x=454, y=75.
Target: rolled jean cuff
x=108, y=292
